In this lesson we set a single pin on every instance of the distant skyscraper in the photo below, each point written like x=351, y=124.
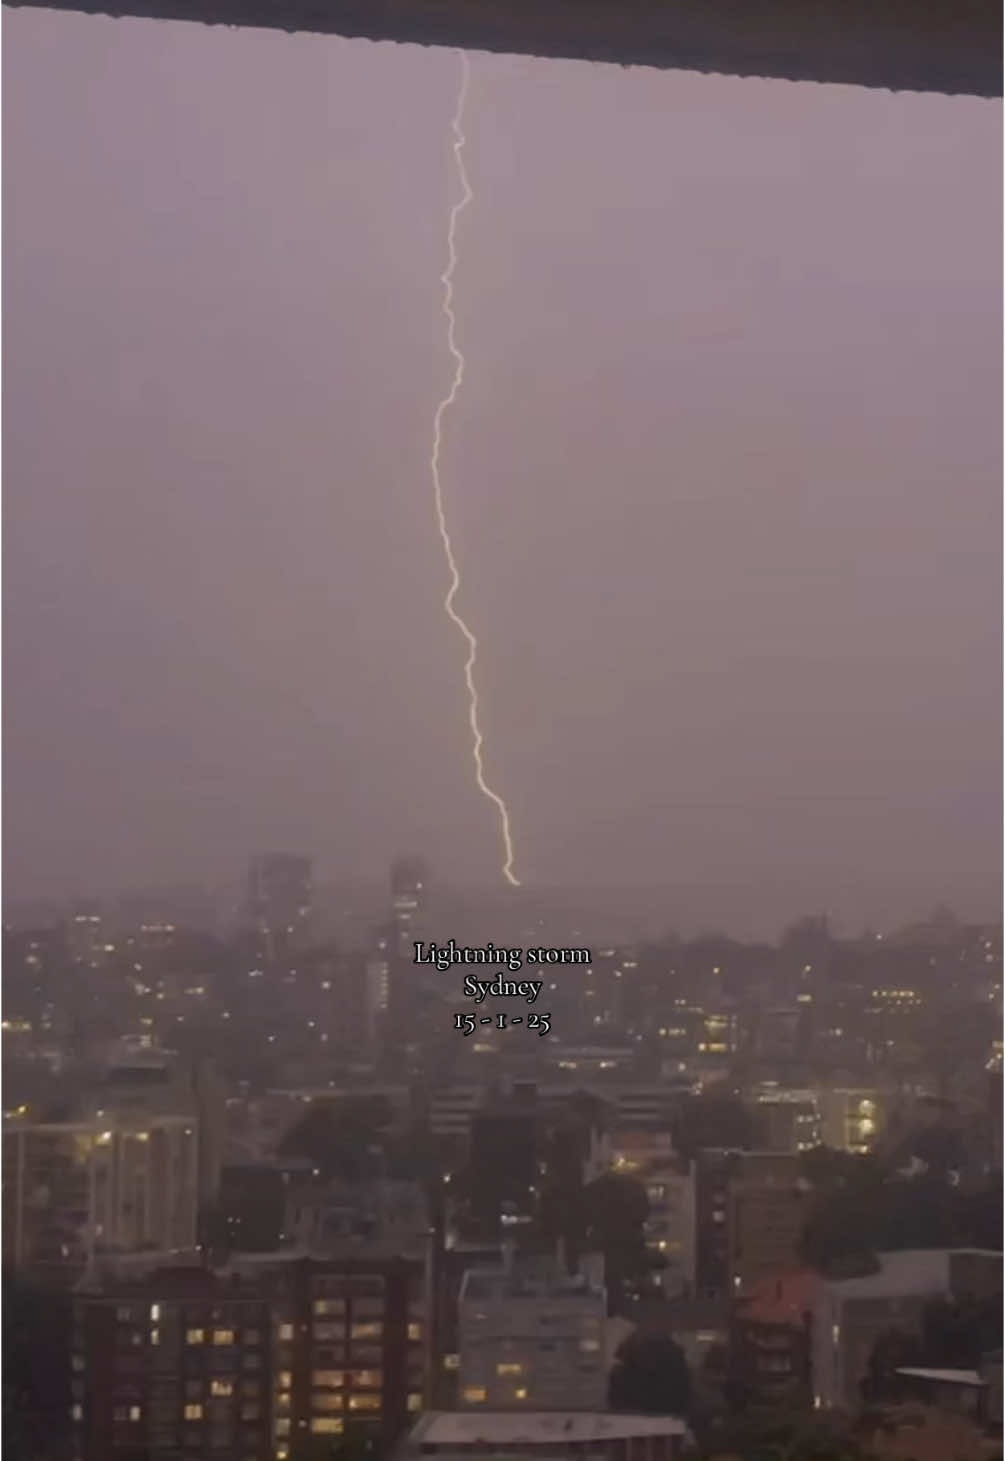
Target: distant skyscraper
x=279, y=906
x=85, y=939
x=409, y=884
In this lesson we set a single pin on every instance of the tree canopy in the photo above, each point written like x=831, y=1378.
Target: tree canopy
x=343, y=1138
x=650, y=1376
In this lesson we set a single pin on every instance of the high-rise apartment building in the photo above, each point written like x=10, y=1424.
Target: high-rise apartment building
x=177, y=1363
x=349, y=1343
x=254, y=1362
x=75, y=1189
x=750, y=1209
x=279, y=903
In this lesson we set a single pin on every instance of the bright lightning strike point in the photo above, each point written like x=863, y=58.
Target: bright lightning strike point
x=447, y=280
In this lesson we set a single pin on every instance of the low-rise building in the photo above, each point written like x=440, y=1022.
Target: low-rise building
x=532, y=1335
x=770, y=1343
x=589, y=1436
x=850, y=1315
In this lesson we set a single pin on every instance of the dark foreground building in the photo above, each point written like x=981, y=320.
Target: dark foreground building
x=254, y=1363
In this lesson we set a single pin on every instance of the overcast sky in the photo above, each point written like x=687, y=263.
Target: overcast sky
x=724, y=477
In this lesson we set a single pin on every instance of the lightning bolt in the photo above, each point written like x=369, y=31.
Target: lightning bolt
x=447, y=280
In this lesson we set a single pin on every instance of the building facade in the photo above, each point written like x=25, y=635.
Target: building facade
x=247, y=1362
x=72, y=1190
x=532, y=1336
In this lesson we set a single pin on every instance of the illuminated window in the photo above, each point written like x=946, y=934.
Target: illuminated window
x=77, y=1412
x=415, y=1331
x=195, y=1336
x=323, y=1400
x=509, y=1369
x=155, y=1336
x=367, y=1379
x=474, y=1394
x=329, y=1306
x=364, y=1402
x=286, y=1331
x=451, y=1361
x=221, y=1387
x=223, y=1336
x=155, y=1313
x=282, y=1427
x=135, y=1412
x=589, y=1346
x=285, y=1379
x=519, y=1395
x=415, y=1401
x=327, y=1425
x=334, y=1379
x=193, y=1412
x=366, y=1331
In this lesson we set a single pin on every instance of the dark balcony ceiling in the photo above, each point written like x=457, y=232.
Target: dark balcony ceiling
x=950, y=46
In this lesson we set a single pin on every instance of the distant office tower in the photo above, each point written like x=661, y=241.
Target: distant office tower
x=378, y=982
x=409, y=883
x=85, y=939
x=280, y=903
x=74, y=1189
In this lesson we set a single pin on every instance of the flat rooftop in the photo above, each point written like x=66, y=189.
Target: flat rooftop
x=913, y=1271
x=536, y=1428
x=496, y=1284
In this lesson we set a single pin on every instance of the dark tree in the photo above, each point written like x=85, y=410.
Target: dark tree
x=615, y=1209
x=770, y=1435
x=957, y=1332
x=891, y=1352
x=343, y=1139
x=650, y=1376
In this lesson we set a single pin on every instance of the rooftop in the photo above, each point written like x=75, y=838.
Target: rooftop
x=945, y=1377
x=505, y=1428
x=913, y=1271
x=527, y=1282
x=782, y=1300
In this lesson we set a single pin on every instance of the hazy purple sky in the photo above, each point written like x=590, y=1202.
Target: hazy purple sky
x=724, y=479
